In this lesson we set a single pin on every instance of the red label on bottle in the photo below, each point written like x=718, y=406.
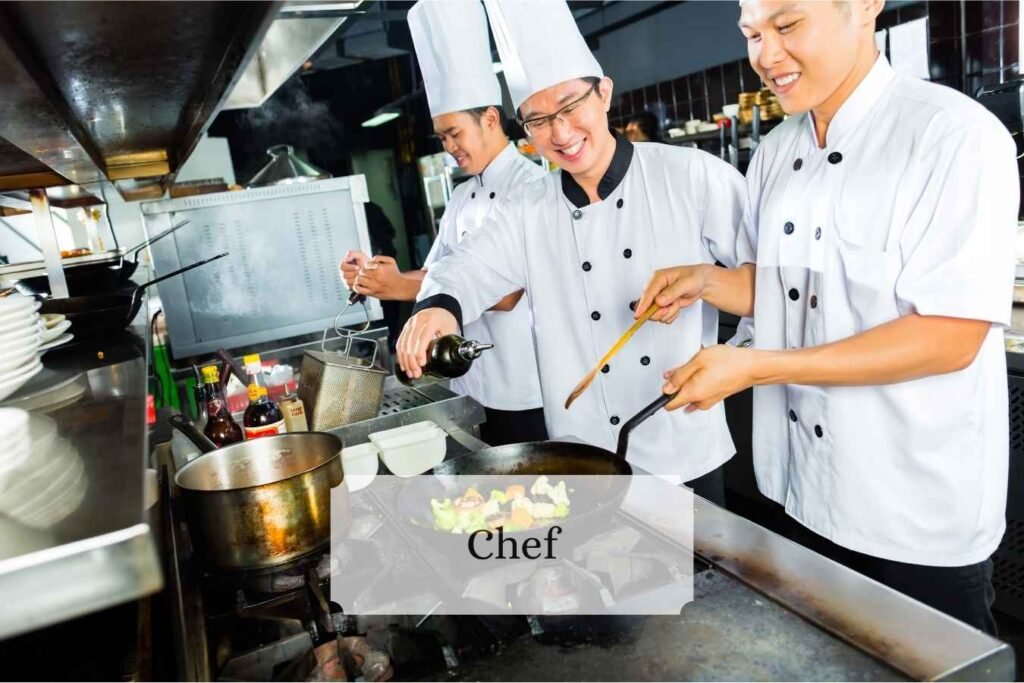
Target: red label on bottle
x=264, y=430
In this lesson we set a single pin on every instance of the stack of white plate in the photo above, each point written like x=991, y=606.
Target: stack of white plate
x=16, y=440
x=49, y=484
x=21, y=334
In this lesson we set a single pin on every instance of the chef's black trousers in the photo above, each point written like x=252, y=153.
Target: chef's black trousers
x=513, y=426
x=965, y=593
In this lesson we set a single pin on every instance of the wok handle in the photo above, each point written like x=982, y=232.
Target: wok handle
x=185, y=426
x=635, y=421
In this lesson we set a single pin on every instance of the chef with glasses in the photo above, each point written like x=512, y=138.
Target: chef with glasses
x=583, y=242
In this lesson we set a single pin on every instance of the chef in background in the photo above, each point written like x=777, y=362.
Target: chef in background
x=453, y=50
x=882, y=222
x=582, y=242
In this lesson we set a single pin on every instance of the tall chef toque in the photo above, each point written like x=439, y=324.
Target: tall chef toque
x=454, y=53
x=539, y=44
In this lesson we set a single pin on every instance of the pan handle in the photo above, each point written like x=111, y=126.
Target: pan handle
x=635, y=421
x=185, y=426
x=162, y=235
x=137, y=294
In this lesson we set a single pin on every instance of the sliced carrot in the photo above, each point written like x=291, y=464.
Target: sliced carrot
x=515, y=491
x=473, y=493
x=521, y=517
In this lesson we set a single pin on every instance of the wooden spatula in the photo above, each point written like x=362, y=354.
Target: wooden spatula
x=585, y=383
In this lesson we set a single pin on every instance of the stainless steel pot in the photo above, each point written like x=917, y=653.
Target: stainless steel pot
x=264, y=502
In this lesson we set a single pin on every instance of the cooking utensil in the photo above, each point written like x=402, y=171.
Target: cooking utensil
x=616, y=347
x=103, y=313
x=590, y=504
x=95, y=278
x=128, y=268
x=264, y=502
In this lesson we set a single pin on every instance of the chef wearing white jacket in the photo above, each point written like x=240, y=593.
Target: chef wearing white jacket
x=453, y=50
x=583, y=242
x=882, y=220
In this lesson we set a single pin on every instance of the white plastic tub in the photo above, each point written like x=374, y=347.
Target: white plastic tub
x=360, y=465
x=413, y=449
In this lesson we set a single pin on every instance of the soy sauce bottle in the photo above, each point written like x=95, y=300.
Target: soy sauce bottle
x=262, y=417
x=220, y=427
x=447, y=357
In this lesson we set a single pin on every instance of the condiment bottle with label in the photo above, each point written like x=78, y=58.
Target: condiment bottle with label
x=220, y=427
x=294, y=413
x=448, y=357
x=262, y=417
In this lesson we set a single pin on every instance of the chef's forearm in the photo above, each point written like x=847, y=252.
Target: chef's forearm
x=730, y=289
x=905, y=349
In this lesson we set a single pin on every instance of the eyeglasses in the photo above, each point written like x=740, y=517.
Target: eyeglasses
x=541, y=125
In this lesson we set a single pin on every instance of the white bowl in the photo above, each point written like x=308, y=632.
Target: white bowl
x=13, y=424
x=413, y=452
x=359, y=464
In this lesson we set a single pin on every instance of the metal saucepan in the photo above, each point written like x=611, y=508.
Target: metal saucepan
x=94, y=278
x=530, y=460
x=264, y=502
x=103, y=313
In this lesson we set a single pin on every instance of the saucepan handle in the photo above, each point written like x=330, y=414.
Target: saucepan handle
x=185, y=426
x=635, y=421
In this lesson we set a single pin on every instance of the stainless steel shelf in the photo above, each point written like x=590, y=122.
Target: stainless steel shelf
x=103, y=553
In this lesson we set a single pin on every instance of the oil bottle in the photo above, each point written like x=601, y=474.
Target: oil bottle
x=448, y=357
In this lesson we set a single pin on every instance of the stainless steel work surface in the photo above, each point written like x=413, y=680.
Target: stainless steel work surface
x=103, y=552
x=281, y=278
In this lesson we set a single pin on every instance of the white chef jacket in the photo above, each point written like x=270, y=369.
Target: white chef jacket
x=505, y=377
x=583, y=265
x=910, y=207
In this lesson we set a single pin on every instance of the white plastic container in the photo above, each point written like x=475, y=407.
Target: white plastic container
x=413, y=449
x=360, y=465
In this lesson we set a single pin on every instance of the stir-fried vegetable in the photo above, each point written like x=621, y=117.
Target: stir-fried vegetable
x=511, y=509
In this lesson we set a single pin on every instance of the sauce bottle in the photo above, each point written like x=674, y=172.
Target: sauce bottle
x=448, y=357
x=262, y=417
x=220, y=427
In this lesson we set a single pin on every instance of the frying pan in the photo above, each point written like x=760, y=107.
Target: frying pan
x=94, y=278
x=102, y=313
x=589, y=506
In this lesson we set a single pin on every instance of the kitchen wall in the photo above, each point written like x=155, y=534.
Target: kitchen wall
x=972, y=43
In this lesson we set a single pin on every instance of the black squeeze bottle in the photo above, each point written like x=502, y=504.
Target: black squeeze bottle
x=447, y=357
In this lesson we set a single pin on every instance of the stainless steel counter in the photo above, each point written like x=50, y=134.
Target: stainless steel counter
x=102, y=553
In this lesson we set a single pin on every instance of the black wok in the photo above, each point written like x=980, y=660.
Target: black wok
x=94, y=278
x=103, y=313
x=589, y=505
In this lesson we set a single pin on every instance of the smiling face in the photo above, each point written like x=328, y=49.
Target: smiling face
x=473, y=141
x=578, y=140
x=811, y=54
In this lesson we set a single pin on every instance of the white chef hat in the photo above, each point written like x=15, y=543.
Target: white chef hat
x=454, y=53
x=539, y=44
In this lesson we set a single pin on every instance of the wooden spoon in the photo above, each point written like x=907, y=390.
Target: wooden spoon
x=585, y=383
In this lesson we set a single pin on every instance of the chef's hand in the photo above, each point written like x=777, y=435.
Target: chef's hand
x=350, y=266
x=712, y=375
x=673, y=289
x=380, y=278
x=422, y=328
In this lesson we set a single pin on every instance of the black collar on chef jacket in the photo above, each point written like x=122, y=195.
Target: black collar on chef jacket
x=609, y=181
